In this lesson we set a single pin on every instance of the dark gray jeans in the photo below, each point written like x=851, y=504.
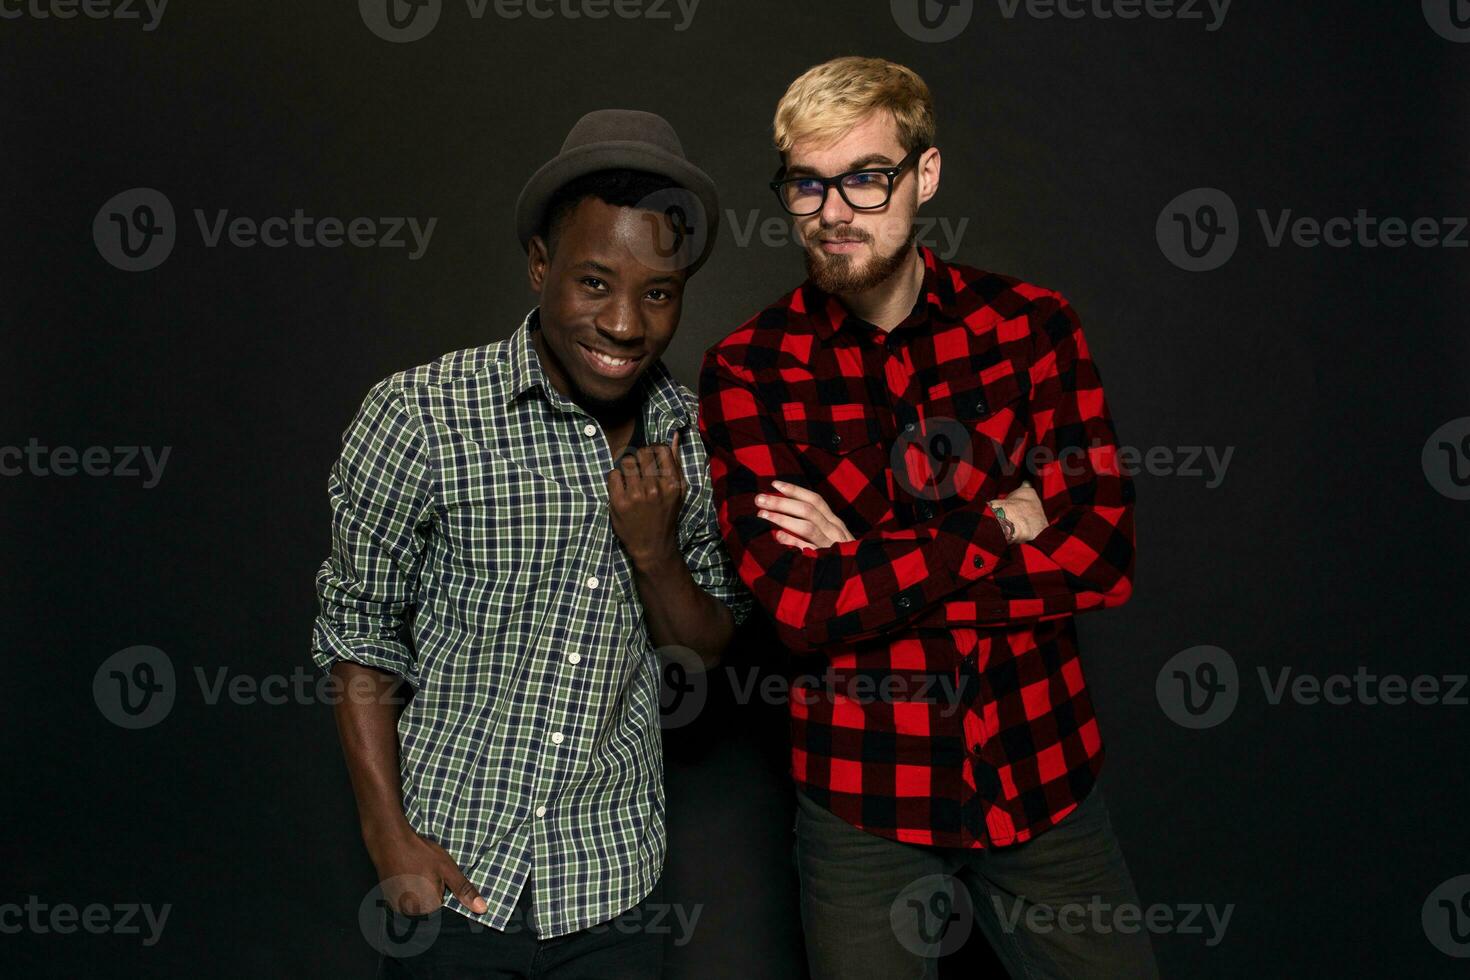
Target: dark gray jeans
x=875, y=908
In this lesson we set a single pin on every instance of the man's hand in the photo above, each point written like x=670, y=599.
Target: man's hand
x=1021, y=514
x=645, y=491
x=806, y=519
x=415, y=871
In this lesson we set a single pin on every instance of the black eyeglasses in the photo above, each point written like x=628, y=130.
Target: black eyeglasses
x=863, y=190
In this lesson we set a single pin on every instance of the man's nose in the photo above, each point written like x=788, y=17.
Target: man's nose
x=621, y=319
x=835, y=210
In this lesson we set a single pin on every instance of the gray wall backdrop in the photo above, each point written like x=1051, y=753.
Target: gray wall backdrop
x=1333, y=543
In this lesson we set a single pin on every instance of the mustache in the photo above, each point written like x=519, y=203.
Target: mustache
x=841, y=233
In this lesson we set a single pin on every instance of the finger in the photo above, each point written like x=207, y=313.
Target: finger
x=806, y=529
x=792, y=490
x=668, y=469
x=639, y=483
x=648, y=460
x=785, y=505
x=794, y=541
x=461, y=887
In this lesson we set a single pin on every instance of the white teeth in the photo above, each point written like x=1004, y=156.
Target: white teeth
x=612, y=361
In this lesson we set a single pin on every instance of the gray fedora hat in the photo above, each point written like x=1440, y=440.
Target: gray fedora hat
x=612, y=139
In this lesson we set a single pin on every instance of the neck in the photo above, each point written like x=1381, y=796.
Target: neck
x=887, y=304
x=610, y=415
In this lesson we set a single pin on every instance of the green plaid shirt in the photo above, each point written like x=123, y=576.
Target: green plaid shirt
x=473, y=554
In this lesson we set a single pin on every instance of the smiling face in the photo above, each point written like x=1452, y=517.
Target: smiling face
x=850, y=250
x=605, y=315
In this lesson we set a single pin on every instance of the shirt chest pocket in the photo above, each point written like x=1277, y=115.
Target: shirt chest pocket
x=840, y=449
x=826, y=434
x=510, y=529
x=972, y=439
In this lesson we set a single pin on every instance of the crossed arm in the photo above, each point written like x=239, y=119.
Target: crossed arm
x=1070, y=550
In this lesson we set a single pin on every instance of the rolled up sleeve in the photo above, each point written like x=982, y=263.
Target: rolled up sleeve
x=380, y=493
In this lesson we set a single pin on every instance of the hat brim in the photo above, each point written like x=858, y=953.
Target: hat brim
x=615, y=155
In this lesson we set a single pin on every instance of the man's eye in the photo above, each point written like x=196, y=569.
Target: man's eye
x=861, y=179
x=659, y=295
x=808, y=187
x=592, y=282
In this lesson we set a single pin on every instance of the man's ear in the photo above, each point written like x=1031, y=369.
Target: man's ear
x=928, y=169
x=538, y=259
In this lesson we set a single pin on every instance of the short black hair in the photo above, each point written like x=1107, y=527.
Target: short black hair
x=621, y=188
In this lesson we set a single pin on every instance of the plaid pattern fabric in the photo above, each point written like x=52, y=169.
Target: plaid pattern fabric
x=986, y=733
x=472, y=554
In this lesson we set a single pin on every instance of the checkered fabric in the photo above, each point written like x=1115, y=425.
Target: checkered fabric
x=472, y=554
x=986, y=733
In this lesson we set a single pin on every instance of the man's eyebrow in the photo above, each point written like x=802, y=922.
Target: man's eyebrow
x=607, y=272
x=592, y=265
x=862, y=162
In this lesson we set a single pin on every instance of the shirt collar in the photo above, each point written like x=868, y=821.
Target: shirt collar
x=936, y=298
x=524, y=372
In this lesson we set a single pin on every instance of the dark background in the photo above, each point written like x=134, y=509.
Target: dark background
x=1324, y=549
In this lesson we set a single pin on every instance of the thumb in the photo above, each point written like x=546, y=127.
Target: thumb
x=460, y=886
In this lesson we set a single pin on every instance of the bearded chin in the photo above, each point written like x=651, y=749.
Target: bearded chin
x=836, y=276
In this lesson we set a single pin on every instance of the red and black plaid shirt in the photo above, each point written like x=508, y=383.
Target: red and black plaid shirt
x=951, y=708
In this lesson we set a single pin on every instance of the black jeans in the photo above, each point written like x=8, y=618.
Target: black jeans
x=876, y=908
x=619, y=949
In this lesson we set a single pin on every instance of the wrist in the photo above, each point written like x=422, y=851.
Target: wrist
x=385, y=832
x=656, y=564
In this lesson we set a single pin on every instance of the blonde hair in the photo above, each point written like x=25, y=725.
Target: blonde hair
x=830, y=98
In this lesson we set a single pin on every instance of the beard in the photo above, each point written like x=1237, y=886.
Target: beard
x=836, y=274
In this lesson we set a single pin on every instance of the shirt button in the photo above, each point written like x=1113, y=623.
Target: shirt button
x=979, y=563
x=589, y=429
x=576, y=658
x=557, y=738
x=909, y=427
x=903, y=602
x=592, y=582
x=541, y=811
